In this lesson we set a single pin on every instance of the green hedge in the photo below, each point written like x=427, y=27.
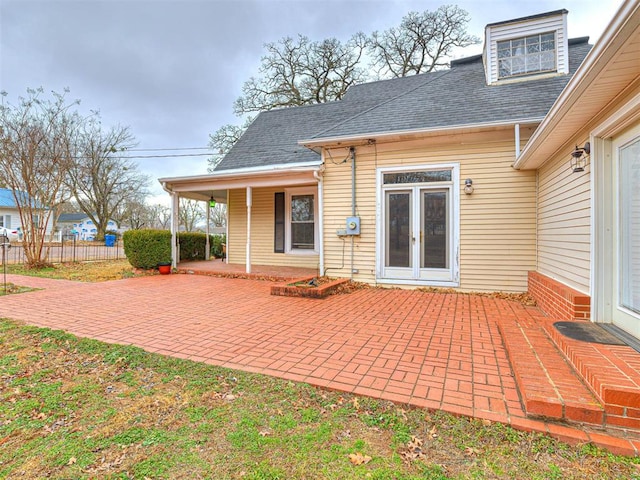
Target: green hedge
x=215, y=245
x=147, y=248
x=193, y=245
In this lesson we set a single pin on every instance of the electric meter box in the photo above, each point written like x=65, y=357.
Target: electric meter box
x=353, y=226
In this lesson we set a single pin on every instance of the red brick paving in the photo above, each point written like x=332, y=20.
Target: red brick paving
x=437, y=351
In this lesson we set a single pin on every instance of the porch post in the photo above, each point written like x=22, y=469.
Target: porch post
x=248, y=259
x=175, y=205
x=206, y=243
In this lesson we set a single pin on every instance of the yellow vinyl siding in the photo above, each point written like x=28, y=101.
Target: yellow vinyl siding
x=564, y=224
x=262, y=231
x=497, y=222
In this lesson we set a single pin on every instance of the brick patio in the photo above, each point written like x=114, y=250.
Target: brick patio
x=436, y=351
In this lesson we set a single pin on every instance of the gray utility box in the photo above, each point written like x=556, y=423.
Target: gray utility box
x=353, y=226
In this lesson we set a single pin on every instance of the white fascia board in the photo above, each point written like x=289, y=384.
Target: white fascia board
x=247, y=172
x=432, y=131
x=276, y=175
x=593, y=64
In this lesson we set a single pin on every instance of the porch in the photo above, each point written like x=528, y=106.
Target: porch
x=220, y=268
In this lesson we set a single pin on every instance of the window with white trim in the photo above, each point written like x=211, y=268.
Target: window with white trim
x=525, y=55
x=301, y=226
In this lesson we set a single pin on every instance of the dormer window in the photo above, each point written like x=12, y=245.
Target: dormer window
x=524, y=55
x=524, y=48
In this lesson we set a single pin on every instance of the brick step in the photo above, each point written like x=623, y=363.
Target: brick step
x=612, y=372
x=549, y=387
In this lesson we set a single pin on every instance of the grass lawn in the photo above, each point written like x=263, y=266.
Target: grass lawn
x=75, y=408
x=79, y=408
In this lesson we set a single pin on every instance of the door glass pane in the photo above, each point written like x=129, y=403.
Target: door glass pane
x=434, y=248
x=629, y=208
x=398, y=229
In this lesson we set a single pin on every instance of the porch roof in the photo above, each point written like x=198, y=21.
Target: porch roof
x=203, y=187
x=609, y=69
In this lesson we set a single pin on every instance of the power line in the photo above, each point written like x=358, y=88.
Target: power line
x=176, y=155
x=166, y=149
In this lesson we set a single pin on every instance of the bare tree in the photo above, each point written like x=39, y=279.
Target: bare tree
x=134, y=213
x=190, y=214
x=300, y=72
x=222, y=140
x=36, y=153
x=421, y=43
x=218, y=216
x=103, y=179
x=160, y=217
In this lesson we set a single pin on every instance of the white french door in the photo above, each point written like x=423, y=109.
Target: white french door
x=419, y=226
x=626, y=242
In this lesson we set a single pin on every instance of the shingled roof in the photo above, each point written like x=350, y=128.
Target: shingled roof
x=455, y=97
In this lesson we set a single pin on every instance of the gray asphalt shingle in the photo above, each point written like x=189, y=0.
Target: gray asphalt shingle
x=458, y=96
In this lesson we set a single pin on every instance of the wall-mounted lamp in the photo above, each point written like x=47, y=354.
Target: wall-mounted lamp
x=468, y=186
x=212, y=203
x=580, y=158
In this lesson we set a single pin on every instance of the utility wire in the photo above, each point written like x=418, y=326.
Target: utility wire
x=166, y=149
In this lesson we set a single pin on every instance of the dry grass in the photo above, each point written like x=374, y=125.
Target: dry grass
x=100, y=271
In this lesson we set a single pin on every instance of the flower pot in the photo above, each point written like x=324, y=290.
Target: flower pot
x=164, y=268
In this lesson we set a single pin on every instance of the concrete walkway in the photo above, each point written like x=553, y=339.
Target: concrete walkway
x=437, y=351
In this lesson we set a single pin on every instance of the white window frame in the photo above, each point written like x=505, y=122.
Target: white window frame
x=526, y=55
x=289, y=193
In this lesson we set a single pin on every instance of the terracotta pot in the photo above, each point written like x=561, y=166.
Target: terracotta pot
x=164, y=268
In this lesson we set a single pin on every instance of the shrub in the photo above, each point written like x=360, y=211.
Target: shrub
x=147, y=248
x=215, y=243
x=192, y=245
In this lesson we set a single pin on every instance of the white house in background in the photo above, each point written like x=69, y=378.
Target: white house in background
x=9, y=215
x=82, y=225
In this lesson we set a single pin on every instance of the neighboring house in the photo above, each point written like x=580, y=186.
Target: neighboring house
x=458, y=178
x=81, y=225
x=9, y=215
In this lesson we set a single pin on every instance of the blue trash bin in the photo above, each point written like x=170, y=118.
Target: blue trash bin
x=109, y=240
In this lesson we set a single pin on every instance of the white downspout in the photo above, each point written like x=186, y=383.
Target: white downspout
x=248, y=259
x=317, y=174
x=517, y=132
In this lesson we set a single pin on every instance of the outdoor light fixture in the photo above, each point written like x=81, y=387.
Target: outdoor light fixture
x=580, y=158
x=468, y=186
x=212, y=203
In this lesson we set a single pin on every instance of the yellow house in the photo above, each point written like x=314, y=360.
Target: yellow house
x=458, y=178
x=586, y=157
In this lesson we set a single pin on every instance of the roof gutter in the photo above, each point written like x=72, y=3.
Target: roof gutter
x=244, y=172
x=431, y=131
x=582, y=78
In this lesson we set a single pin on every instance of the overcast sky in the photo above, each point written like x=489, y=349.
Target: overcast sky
x=171, y=69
